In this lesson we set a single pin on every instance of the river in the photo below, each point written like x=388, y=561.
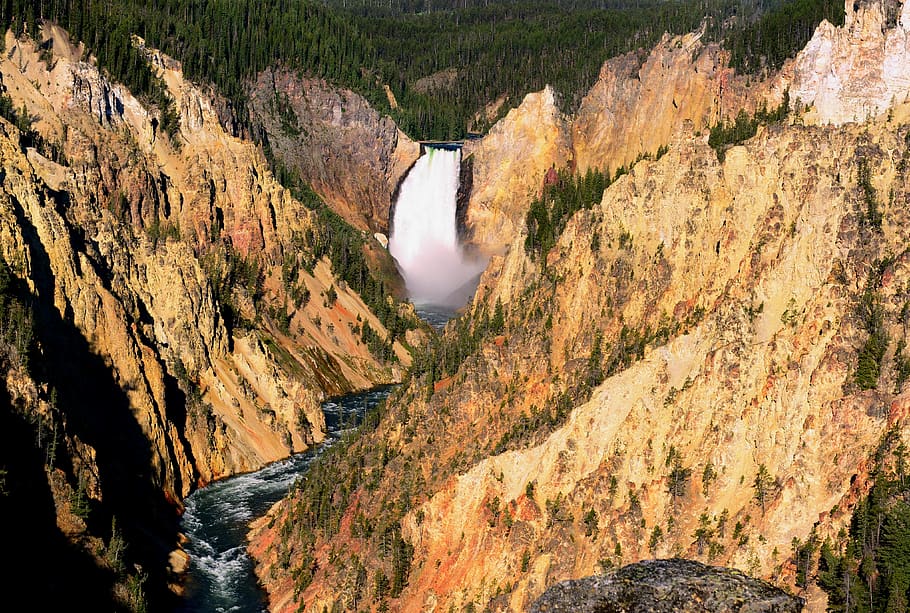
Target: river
x=217, y=517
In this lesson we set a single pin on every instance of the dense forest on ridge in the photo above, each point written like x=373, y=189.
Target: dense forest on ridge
x=475, y=53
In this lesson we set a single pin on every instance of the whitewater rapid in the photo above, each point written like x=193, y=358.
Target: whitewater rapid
x=217, y=517
x=424, y=239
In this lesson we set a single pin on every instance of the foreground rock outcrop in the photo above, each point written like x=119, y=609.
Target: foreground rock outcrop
x=666, y=586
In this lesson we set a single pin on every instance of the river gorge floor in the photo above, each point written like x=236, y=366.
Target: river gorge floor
x=217, y=517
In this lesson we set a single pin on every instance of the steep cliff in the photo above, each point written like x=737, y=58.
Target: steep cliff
x=187, y=314
x=508, y=166
x=858, y=71
x=336, y=142
x=639, y=101
x=704, y=365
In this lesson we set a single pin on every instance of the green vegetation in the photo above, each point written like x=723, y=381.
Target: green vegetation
x=17, y=321
x=322, y=499
x=29, y=137
x=627, y=349
x=496, y=50
x=162, y=231
x=79, y=503
x=219, y=41
x=902, y=365
x=871, y=315
x=724, y=135
x=869, y=363
x=764, y=486
x=332, y=237
x=766, y=42
x=657, y=535
x=507, y=49
x=678, y=479
x=548, y=215
x=870, y=214
x=590, y=522
x=464, y=336
x=867, y=569
x=510, y=48
x=708, y=476
x=228, y=271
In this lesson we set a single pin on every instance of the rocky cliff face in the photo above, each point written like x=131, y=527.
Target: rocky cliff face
x=640, y=100
x=859, y=71
x=349, y=153
x=695, y=369
x=758, y=372
x=508, y=166
x=184, y=325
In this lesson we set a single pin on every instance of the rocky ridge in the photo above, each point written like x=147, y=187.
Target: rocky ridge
x=690, y=407
x=639, y=101
x=132, y=244
x=859, y=71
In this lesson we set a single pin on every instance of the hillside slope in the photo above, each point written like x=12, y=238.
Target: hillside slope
x=705, y=365
x=187, y=318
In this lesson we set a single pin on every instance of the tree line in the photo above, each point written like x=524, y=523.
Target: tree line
x=501, y=49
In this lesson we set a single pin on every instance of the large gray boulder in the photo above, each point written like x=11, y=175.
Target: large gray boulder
x=671, y=586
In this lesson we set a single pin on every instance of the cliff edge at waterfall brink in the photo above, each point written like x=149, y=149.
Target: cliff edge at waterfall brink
x=170, y=314
x=707, y=359
x=424, y=239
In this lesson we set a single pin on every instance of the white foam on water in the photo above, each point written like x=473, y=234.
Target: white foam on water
x=424, y=238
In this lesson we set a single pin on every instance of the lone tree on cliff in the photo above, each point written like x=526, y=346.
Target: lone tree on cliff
x=763, y=485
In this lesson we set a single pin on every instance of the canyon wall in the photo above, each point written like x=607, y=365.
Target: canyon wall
x=508, y=166
x=859, y=71
x=685, y=373
x=336, y=142
x=638, y=103
x=187, y=327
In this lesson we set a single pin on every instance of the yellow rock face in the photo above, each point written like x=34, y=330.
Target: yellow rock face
x=768, y=247
x=128, y=220
x=723, y=300
x=638, y=104
x=508, y=167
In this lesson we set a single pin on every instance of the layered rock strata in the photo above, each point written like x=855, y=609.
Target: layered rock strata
x=679, y=375
x=185, y=334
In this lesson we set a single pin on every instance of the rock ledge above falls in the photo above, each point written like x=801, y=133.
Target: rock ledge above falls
x=658, y=586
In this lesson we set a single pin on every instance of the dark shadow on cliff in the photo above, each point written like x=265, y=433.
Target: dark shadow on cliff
x=43, y=567
x=98, y=412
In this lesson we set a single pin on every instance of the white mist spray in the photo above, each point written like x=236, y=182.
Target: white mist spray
x=424, y=238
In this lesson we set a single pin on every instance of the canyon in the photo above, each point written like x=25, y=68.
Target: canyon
x=678, y=375
x=672, y=378
x=181, y=311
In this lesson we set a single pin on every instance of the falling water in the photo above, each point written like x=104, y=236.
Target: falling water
x=424, y=238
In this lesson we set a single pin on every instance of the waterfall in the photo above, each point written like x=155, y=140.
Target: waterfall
x=424, y=240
